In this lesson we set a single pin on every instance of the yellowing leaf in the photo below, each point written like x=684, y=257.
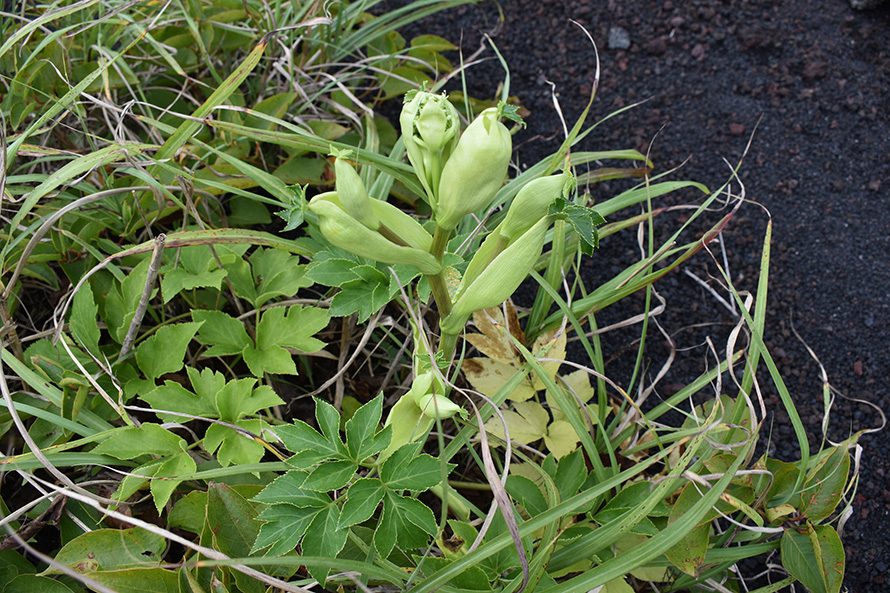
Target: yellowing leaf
x=527, y=424
x=578, y=386
x=527, y=470
x=783, y=510
x=561, y=439
x=487, y=376
x=618, y=585
x=549, y=345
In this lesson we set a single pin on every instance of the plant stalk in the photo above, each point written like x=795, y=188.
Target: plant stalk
x=153, y=268
x=553, y=276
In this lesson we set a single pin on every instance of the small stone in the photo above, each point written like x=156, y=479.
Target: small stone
x=874, y=185
x=698, y=52
x=857, y=368
x=736, y=129
x=657, y=46
x=815, y=69
x=618, y=38
x=865, y=4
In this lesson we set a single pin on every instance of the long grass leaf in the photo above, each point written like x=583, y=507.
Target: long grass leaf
x=189, y=127
x=68, y=98
x=42, y=21
x=50, y=392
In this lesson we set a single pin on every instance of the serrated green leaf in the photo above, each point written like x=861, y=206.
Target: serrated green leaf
x=206, y=383
x=295, y=210
x=230, y=397
x=292, y=331
x=365, y=295
x=571, y=473
x=232, y=447
x=224, y=334
x=197, y=269
x=287, y=489
x=274, y=360
x=136, y=479
x=331, y=475
x=83, y=319
x=165, y=479
x=131, y=442
x=283, y=528
x=242, y=280
x=164, y=351
x=122, y=301
x=328, y=421
x=362, y=500
x=815, y=557
x=276, y=273
x=421, y=473
x=405, y=521
x=324, y=538
x=363, y=438
x=332, y=271
x=238, y=399
x=174, y=397
x=526, y=493
x=310, y=447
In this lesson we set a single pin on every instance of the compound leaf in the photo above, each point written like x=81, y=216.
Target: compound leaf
x=224, y=334
x=164, y=351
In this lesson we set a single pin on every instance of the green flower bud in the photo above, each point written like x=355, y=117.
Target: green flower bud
x=345, y=232
x=432, y=404
x=435, y=405
x=475, y=171
x=353, y=195
x=408, y=423
x=531, y=204
x=430, y=126
x=402, y=225
x=499, y=280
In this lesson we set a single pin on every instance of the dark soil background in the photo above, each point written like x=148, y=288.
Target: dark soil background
x=816, y=75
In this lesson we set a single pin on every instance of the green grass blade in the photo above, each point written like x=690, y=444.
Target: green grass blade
x=42, y=21
x=62, y=460
x=189, y=127
x=49, y=391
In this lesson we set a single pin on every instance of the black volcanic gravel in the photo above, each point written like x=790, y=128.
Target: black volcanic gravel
x=816, y=75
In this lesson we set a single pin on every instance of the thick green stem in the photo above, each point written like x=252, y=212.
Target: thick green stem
x=447, y=345
x=440, y=241
x=440, y=294
x=437, y=282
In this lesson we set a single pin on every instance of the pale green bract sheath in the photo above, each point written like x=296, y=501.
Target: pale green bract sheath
x=430, y=126
x=346, y=232
x=499, y=280
x=475, y=171
x=353, y=194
